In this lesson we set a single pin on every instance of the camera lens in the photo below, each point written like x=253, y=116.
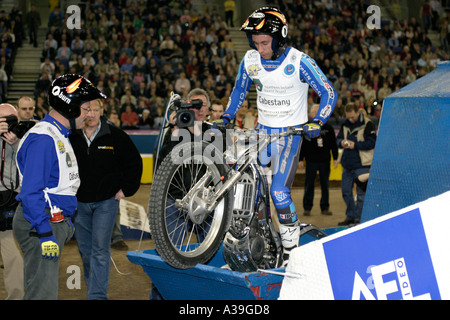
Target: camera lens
x=185, y=117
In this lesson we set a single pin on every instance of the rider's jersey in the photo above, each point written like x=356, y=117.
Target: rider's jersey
x=47, y=166
x=282, y=88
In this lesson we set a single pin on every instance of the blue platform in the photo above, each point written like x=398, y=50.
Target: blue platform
x=412, y=153
x=210, y=281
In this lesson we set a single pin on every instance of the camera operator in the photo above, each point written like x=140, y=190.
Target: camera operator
x=175, y=133
x=11, y=256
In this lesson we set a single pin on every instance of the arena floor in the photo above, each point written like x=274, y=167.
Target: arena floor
x=132, y=283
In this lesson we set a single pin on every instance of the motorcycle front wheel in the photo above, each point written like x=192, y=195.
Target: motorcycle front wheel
x=182, y=238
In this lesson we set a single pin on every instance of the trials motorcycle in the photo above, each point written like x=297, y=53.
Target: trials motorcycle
x=202, y=198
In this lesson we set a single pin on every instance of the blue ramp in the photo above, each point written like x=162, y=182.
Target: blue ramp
x=412, y=153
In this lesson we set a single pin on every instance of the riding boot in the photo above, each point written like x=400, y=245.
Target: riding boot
x=290, y=235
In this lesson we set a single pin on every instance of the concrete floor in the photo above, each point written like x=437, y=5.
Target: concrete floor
x=132, y=283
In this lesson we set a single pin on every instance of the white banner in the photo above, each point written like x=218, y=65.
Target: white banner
x=399, y=256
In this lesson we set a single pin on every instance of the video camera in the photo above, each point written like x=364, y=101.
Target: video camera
x=185, y=117
x=16, y=127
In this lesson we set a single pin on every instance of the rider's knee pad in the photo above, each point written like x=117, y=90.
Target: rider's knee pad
x=281, y=196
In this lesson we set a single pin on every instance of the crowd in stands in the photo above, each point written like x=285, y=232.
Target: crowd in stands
x=138, y=52
x=11, y=35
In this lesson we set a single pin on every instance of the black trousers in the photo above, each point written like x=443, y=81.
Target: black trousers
x=310, y=177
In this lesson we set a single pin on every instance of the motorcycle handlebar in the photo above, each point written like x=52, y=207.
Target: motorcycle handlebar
x=289, y=130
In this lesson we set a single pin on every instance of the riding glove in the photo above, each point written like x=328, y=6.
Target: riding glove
x=49, y=247
x=223, y=122
x=312, y=129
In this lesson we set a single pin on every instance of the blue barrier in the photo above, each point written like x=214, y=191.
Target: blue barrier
x=411, y=161
x=144, y=140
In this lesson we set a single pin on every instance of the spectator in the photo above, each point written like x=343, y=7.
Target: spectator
x=3, y=83
x=426, y=15
x=64, y=54
x=33, y=20
x=357, y=136
x=217, y=110
x=49, y=52
x=88, y=59
x=317, y=153
x=182, y=84
x=243, y=119
x=77, y=45
x=106, y=177
x=129, y=119
x=10, y=254
x=384, y=91
x=42, y=85
x=56, y=18
x=146, y=120
x=51, y=42
x=229, y=12
x=26, y=109
x=128, y=97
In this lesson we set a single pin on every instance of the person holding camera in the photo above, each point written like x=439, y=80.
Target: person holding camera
x=357, y=136
x=110, y=169
x=11, y=256
x=50, y=179
x=187, y=121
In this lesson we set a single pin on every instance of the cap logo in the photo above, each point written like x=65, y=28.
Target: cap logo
x=56, y=91
x=257, y=15
x=73, y=86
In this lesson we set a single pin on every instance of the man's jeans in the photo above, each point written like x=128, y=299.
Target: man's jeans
x=94, y=223
x=354, y=210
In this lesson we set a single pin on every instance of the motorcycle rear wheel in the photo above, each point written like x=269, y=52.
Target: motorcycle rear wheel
x=181, y=241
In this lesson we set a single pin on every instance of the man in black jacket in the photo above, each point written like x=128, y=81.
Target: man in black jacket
x=110, y=168
x=317, y=152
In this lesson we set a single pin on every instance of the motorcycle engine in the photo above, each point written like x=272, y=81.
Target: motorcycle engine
x=247, y=245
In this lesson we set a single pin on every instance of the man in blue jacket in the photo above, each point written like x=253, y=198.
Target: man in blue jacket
x=49, y=182
x=357, y=136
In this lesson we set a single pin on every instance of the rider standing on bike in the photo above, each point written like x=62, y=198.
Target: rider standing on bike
x=282, y=76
